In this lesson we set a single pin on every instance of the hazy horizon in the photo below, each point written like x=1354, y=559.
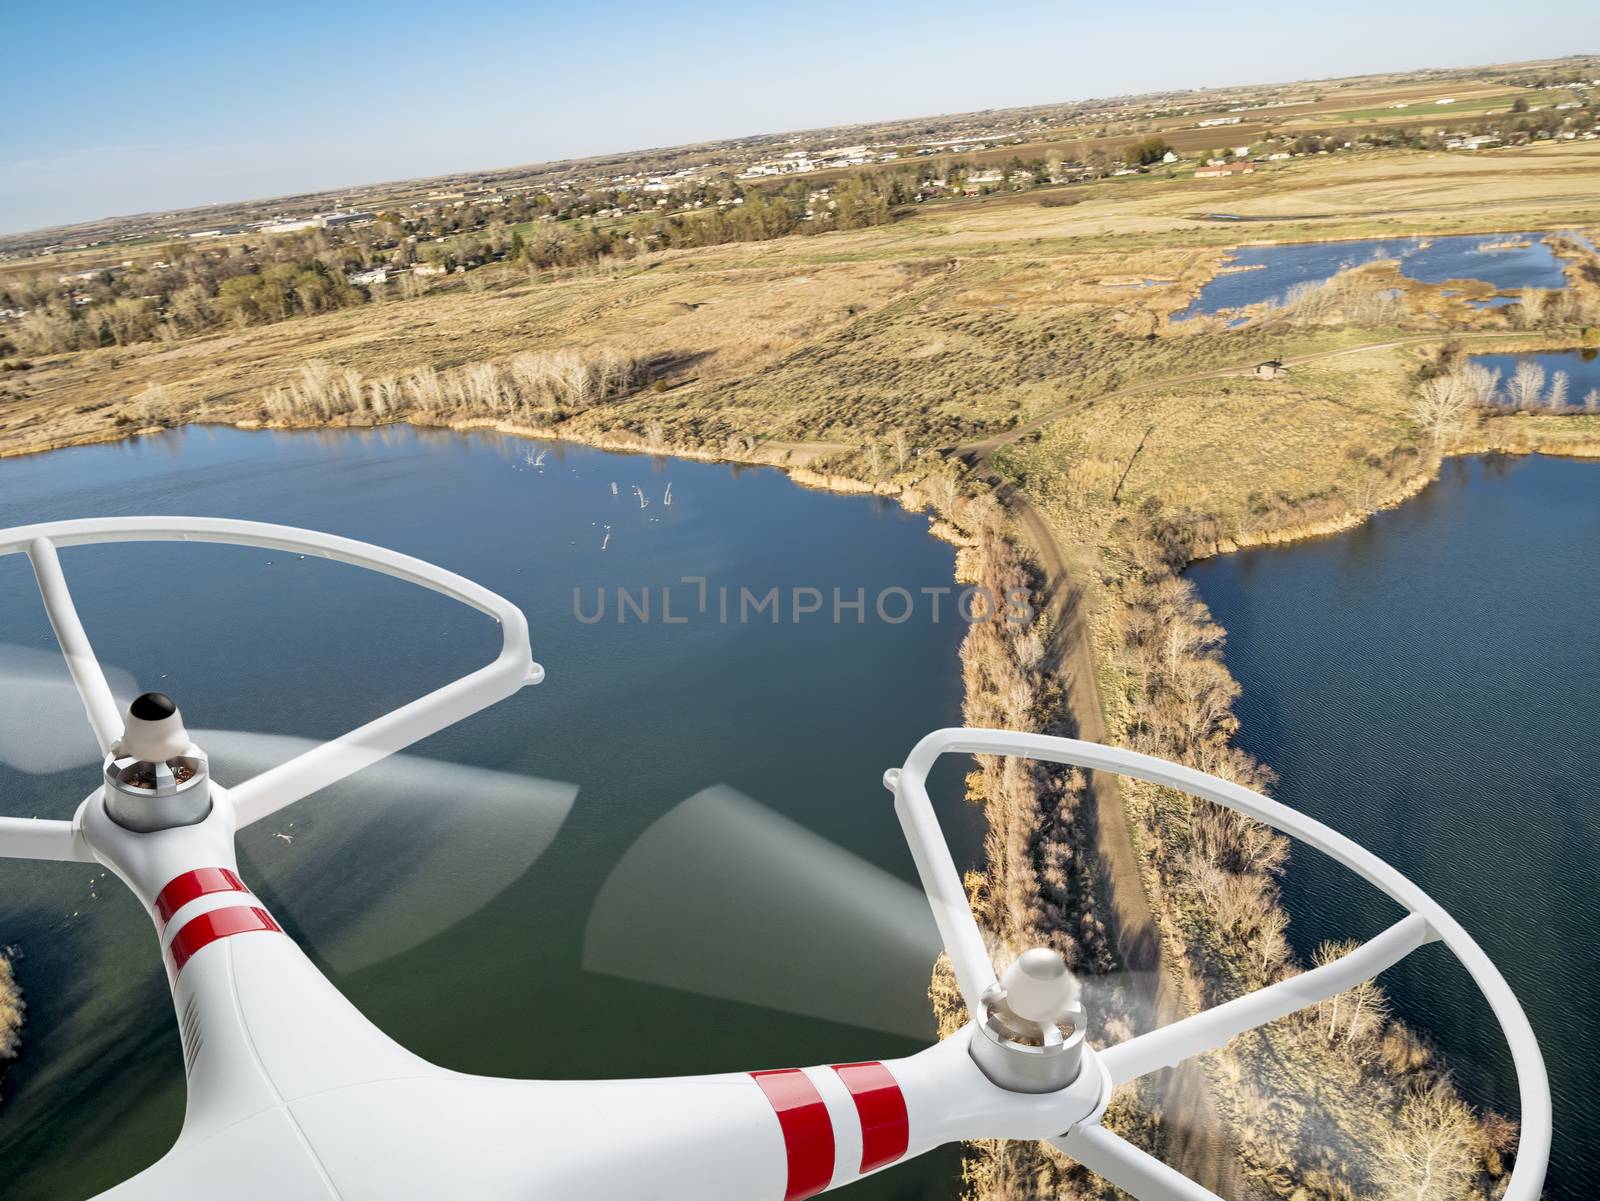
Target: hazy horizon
x=213, y=108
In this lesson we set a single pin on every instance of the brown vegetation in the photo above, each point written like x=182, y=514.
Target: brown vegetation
x=11, y=1008
x=543, y=387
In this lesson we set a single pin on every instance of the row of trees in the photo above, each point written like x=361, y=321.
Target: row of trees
x=1217, y=878
x=11, y=1009
x=546, y=385
x=1444, y=403
x=192, y=293
x=1354, y=295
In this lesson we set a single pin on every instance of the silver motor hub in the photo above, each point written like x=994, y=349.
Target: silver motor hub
x=1029, y=1035
x=155, y=777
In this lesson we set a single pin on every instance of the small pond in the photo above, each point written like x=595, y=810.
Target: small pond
x=1259, y=274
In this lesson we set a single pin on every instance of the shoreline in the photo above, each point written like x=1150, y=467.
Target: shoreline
x=1412, y=487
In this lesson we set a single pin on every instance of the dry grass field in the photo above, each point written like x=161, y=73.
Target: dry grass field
x=957, y=319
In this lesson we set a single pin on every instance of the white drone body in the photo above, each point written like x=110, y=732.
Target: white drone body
x=293, y=1093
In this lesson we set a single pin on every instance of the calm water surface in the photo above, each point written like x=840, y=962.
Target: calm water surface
x=457, y=922
x=1427, y=685
x=1582, y=368
x=1276, y=269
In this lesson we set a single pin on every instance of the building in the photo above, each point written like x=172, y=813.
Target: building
x=1170, y=156
x=1213, y=121
x=369, y=277
x=1271, y=369
x=330, y=220
x=1218, y=170
x=289, y=227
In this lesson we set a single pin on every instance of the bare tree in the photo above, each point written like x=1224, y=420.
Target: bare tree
x=1440, y=407
x=1527, y=385
x=1428, y=1155
x=1530, y=310
x=1557, y=399
x=1481, y=383
x=897, y=442
x=151, y=405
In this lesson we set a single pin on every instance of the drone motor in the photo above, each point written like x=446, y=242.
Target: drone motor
x=155, y=777
x=1029, y=1035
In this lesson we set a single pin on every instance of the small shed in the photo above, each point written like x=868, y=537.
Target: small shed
x=1271, y=369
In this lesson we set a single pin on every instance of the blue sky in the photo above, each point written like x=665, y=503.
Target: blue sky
x=120, y=108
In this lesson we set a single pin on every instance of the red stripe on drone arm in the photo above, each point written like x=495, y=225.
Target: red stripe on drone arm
x=207, y=928
x=180, y=890
x=807, y=1130
x=885, y=1128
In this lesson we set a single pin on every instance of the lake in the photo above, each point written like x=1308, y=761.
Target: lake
x=451, y=903
x=1582, y=368
x=1426, y=685
x=1270, y=271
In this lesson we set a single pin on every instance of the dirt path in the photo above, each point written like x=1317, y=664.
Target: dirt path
x=1197, y=1142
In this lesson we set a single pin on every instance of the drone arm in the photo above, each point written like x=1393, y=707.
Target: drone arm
x=37, y=838
x=1215, y=1027
x=1133, y=1171
x=104, y=715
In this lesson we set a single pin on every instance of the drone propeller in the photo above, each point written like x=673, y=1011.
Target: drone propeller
x=726, y=898
x=512, y=819
x=385, y=866
x=41, y=713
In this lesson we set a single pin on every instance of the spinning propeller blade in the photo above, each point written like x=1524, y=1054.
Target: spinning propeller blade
x=42, y=729
x=407, y=848
x=724, y=897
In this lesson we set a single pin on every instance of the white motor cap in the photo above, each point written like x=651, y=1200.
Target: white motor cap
x=1038, y=986
x=154, y=732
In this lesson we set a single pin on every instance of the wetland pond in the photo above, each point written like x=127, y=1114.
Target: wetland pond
x=1263, y=274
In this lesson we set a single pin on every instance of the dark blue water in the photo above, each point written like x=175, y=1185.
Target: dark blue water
x=1427, y=685
x=1276, y=269
x=446, y=918
x=1582, y=368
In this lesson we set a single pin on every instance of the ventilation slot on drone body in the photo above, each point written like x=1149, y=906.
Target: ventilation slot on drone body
x=193, y=1038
